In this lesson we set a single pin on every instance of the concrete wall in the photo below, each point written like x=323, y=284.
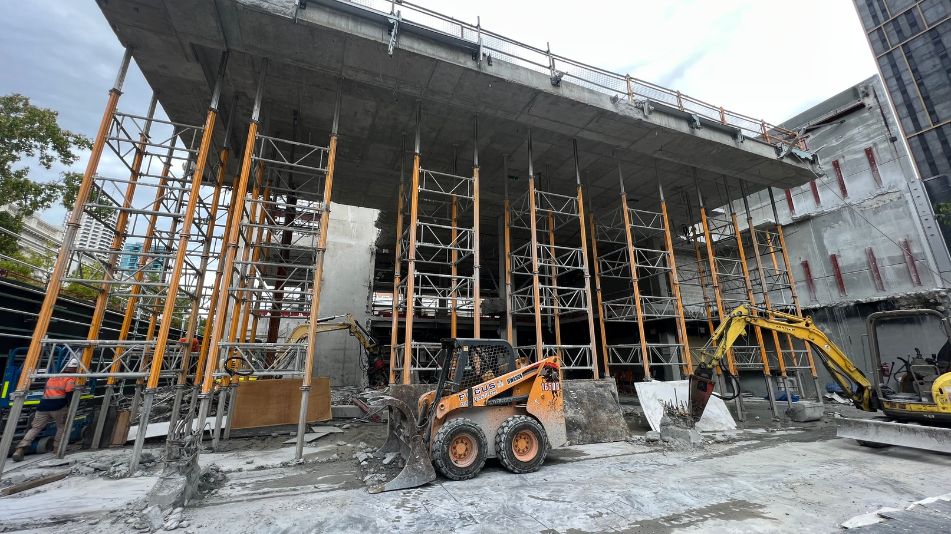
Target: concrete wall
x=348, y=269
x=864, y=216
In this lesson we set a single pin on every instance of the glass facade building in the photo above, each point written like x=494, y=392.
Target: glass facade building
x=911, y=41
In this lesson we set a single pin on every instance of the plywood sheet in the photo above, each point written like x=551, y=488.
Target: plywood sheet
x=277, y=402
x=716, y=418
x=121, y=429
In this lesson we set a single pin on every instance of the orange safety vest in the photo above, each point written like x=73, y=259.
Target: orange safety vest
x=58, y=386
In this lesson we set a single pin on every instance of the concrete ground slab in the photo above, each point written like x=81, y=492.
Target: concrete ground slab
x=800, y=478
x=72, y=499
x=772, y=486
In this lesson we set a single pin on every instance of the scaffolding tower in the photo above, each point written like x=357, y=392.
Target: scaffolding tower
x=774, y=288
x=161, y=201
x=719, y=275
x=634, y=258
x=436, y=271
x=550, y=281
x=271, y=268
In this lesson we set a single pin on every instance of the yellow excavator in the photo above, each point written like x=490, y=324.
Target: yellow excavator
x=347, y=322
x=485, y=405
x=924, y=394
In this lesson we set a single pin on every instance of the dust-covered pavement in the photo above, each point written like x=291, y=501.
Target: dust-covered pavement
x=754, y=480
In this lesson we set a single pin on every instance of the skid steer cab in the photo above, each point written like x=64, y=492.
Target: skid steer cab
x=484, y=405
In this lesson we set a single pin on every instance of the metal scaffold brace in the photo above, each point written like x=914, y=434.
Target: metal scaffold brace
x=439, y=247
x=226, y=266
x=62, y=263
x=179, y=262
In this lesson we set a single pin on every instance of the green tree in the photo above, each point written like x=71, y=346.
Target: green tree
x=28, y=132
x=92, y=272
x=12, y=223
x=24, y=263
x=942, y=212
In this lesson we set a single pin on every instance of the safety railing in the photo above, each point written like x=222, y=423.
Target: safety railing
x=492, y=46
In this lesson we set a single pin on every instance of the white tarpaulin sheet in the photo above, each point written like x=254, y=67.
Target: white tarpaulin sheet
x=716, y=418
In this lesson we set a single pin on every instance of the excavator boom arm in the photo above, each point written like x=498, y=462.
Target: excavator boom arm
x=852, y=381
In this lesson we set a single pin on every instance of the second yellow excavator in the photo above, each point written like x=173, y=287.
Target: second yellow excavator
x=927, y=399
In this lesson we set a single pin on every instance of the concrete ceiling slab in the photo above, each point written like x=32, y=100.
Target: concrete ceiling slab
x=177, y=44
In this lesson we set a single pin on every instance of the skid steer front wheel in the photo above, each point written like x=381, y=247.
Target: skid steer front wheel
x=521, y=444
x=459, y=449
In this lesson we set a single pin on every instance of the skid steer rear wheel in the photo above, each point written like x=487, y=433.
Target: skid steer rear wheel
x=459, y=449
x=521, y=444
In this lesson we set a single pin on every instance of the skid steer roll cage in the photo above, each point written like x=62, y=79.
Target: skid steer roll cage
x=452, y=372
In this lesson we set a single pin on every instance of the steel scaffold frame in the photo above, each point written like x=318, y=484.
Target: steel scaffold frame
x=628, y=239
x=533, y=254
x=775, y=290
x=439, y=247
x=174, y=221
x=719, y=270
x=271, y=266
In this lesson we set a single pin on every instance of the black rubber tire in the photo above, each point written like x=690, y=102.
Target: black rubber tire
x=444, y=437
x=503, y=443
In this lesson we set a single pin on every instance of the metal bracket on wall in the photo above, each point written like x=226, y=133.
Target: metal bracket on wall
x=394, y=31
x=695, y=122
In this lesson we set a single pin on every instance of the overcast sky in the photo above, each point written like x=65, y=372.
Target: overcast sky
x=769, y=59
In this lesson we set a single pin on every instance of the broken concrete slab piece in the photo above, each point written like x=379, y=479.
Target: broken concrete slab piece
x=592, y=412
x=652, y=395
x=57, y=462
x=153, y=515
x=325, y=428
x=309, y=437
x=870, y=518
x=673, y=433
x=802, y=412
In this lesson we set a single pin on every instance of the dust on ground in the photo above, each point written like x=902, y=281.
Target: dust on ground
x=768, y=475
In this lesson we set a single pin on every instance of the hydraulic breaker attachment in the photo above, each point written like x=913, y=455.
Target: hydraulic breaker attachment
x=699, y=387
x=404, y=437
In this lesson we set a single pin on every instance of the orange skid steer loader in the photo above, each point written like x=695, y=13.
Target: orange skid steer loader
x=484, y=406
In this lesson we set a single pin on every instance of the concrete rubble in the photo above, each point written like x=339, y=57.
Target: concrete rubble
x=755, y=478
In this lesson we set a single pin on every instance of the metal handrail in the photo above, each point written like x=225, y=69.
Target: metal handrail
x=560, y=67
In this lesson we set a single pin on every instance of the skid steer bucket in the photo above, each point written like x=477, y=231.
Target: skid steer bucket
x=404, y=438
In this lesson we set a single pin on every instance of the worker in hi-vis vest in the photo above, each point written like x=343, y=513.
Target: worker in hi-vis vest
x=54, y=406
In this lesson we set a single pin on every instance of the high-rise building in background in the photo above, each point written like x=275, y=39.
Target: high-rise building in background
x=94, y=237
x=129, y=261
x=911, y=41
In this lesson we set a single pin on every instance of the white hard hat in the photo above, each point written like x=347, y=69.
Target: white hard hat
x=73, y=363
